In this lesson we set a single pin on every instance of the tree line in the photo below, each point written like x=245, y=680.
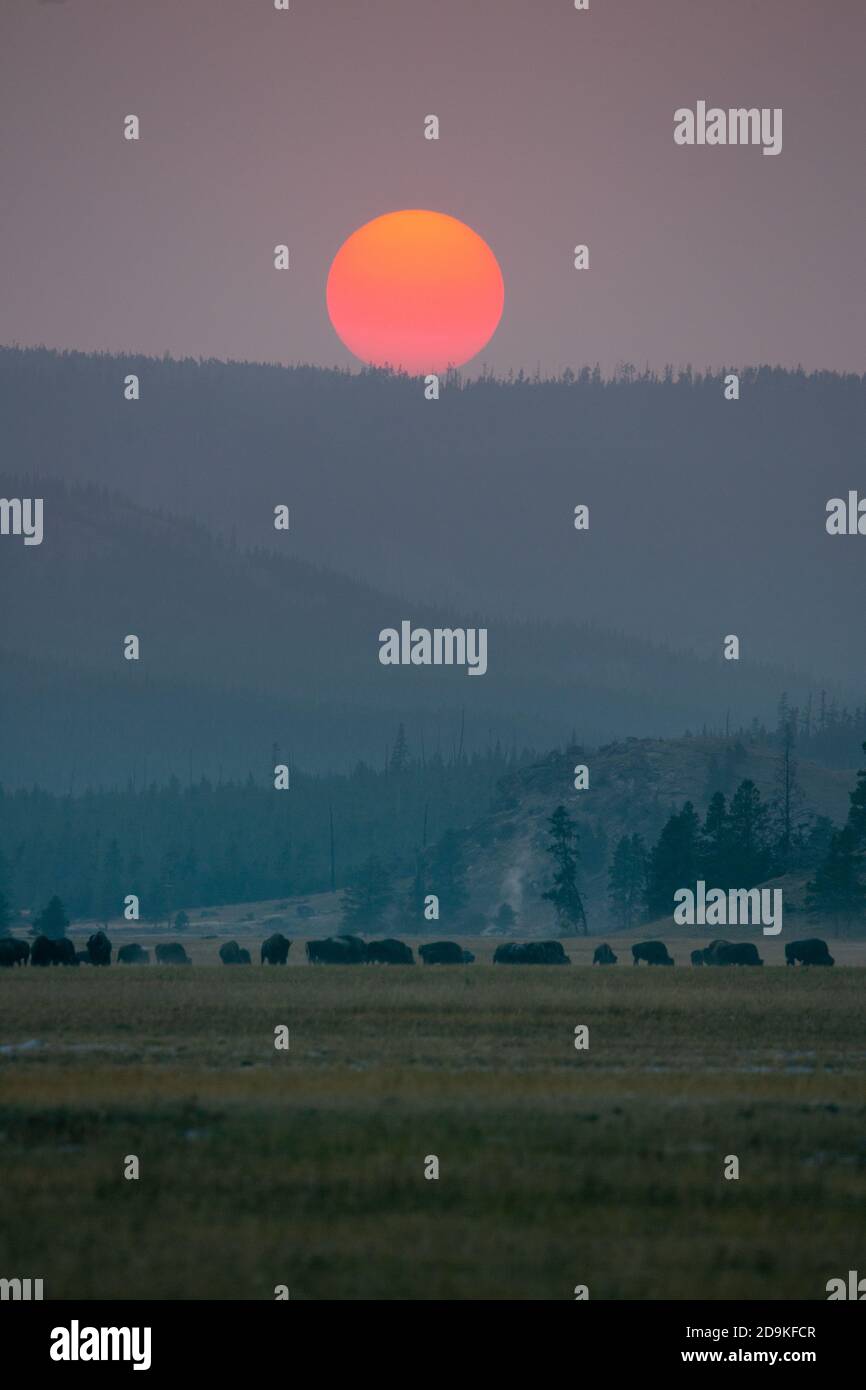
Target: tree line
x=743, y=842
x=209, y=843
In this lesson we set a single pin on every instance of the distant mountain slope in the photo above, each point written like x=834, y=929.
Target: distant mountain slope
x=634, y=786
x=707, y=516
x=242, y=650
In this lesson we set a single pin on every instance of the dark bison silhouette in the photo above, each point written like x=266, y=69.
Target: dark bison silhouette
x=738, y=953
x=603, y=955
x=653, y=952
x=275, y=951
x=233, y=954
x=83, y=957
x=99, y=949
x=441, y=953
x=133, y=954
x=697, y=957
x=48, y=951
x=171, y=953
x=337, y=950
x=812, y=951
x=712, y=954
x=389, y=952
x=13, y=951
x=530, y=953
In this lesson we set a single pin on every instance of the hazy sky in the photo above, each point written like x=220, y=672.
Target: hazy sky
x=261, y=127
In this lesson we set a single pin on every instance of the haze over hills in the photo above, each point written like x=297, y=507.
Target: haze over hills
x=707, y=516
x=241, y=651
x=635, y=785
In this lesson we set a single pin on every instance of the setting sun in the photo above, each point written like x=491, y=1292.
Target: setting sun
x=415, y=290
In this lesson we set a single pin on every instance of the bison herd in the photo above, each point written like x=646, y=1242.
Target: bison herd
x=352, y=950
x=812, y=951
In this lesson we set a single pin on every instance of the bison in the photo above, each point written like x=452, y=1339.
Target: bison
x=275, y=951
x=712, y=954
x=603, y=955
x=737, y=953
x=337, y=950
x=389, y=952
x=530, y=953
x=99, y=949
x=171, y=953
x=653, y=952
x=697, y=958
x=441, y=953
x=42, y=951
x=133, y=954
x=52, y=951
x=13, y=951
x=812, y=951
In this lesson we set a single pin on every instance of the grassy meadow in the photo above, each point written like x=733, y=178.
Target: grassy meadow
x=557, y=1167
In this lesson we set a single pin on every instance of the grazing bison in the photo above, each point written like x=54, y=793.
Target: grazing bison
x=229, y=952
x=697, y=957
x=83, y=957
x=13, y=952
x=243, y=956
x=275, y=951
x=389, y=952
x=441, y=953
x=738, y=953
x=99, y=949
x=42, y=951
x=47, y=951
x=337, y=950
x=812, y=951
x=171, y=953
x=713, y=953
x=603, y=955
x=468, y=958
x=133, y=954
x=653, y=952
x=530, y=953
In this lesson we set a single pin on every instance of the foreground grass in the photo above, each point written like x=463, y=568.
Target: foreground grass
x=557, y=1167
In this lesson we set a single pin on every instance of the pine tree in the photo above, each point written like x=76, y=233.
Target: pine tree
x=448, y=874
x=5, y=915
x=674, y=861
x=789, y=797
x=838, y=890
x=109, y=897
x=713, y=846
x=747, y=860
x=627, y=880
x=857, y=809
x=368, y=897
x=399, y=760
x=51, y=921
x=565, y=893
x=415, y=899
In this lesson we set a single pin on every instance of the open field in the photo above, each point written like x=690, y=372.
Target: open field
x=557, y=1167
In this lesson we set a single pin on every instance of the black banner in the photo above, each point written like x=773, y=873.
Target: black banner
x=248, y=1338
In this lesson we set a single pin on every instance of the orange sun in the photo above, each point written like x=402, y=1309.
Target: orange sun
x=415, y=290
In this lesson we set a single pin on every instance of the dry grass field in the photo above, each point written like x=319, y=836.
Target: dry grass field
x=557, y=1167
